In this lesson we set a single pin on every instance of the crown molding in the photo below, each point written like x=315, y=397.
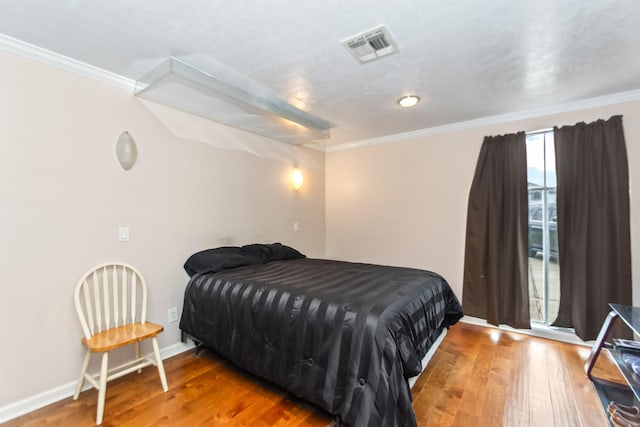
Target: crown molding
x=315, y=146
x=54, y=59
x=566, y=107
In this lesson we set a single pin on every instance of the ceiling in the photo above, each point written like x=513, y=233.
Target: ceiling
x=466, y=59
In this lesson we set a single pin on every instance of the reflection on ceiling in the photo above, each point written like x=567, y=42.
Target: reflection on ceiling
x=230, y=99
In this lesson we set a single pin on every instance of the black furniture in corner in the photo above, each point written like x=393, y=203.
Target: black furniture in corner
x=612, y=391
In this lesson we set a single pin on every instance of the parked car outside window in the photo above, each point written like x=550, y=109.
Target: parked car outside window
x=536, y=227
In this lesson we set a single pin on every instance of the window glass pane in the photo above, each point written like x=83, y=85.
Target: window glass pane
x=535, y=162
x=544, y=280
x=553, y=274
x=537, y=214
x=550, y=165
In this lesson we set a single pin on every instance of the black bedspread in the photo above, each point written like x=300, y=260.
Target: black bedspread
x=344, y=336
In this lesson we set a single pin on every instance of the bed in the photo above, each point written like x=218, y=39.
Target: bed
x=344, y=336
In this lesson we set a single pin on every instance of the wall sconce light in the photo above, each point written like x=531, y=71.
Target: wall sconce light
x=297, y=179
x=126, y=151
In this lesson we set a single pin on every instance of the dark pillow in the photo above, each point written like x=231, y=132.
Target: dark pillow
x=212, y=260
x=272, y=252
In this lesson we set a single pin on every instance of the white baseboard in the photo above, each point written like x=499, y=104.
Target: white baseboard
x=537, y=330
x=47, y=397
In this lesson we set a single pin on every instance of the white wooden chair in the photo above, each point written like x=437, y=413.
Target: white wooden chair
x=111, y=301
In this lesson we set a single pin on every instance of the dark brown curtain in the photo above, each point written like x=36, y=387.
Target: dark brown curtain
x=593, y=223
x=495, y=284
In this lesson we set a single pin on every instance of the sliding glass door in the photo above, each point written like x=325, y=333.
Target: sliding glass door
x=544, y=273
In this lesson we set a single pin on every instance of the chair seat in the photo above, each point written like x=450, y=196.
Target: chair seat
x=121, y=336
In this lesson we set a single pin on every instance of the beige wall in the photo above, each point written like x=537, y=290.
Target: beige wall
x=405, y=203
x=63, y=196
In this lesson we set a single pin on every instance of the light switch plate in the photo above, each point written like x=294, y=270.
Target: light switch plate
x=123, y=234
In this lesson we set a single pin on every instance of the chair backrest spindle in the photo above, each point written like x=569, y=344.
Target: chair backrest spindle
x=89, y=308
x=96, y=300
x=125, y=308
x=116, y=319
x=106, y=298
x=143, y=307
x=133, y=296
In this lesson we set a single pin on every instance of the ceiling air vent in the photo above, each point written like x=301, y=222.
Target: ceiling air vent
x=370, y=45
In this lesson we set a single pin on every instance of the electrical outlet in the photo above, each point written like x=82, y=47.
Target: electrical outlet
x=172, y=313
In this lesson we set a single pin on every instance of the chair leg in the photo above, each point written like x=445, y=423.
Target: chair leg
x=85, y=364
x=137, y=347
x=102, y=391
x=163, y=377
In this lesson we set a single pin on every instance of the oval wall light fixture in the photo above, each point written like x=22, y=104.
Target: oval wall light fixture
x=126, y=151
x=297, y=179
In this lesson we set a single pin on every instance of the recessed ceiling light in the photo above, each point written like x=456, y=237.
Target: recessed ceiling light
x=408, y=101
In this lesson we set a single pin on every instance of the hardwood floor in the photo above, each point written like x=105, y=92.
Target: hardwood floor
x=487, y=377
x=478, y=377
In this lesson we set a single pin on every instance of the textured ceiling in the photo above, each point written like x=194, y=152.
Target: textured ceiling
x=466, y=59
